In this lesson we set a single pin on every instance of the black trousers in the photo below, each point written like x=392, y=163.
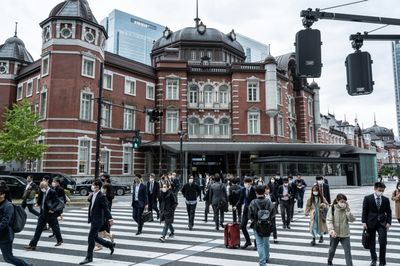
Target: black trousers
x=291, y=209
x=243, y=224
x=41, y=224
x=218, y=215
x=237, y=214
x=206, y=209
x=153, y=206
x=30, y=208
x=285, y=212
x=137, y=216
x=300, y=199
x=191, y=211
x=382, y=239
x=93, y=238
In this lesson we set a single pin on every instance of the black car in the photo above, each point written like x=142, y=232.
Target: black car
x=84, y=188
x=16, y=184
x=66, y=181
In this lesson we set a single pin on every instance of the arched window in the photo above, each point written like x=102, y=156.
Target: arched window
x=194, y=127
x=193, y=95
x=208, y=95
x=209, y=126
x=224, y=127
x=223, y=95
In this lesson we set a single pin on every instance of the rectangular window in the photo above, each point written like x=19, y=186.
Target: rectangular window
x=127, y=167
x=310, y=107
x=84, y=157
x=88, y=67
x=208, y=96
x=193, y=54
x=86, y=106
x=279, y=95
x=171, y=122
x=149, y=126
x=19, y=92
x=107, y=81
x=45, y=65
x=106, y=115
x=29, y=89
x=253, y=123
x=104, y=161
x=38, y=86
x=43, y=104
x=150, y=92
x=252, y=91
x=129, y=118
x=172, y=89
x=223, y=97
x=130, y=87
x=280, y=125
x=193, y=96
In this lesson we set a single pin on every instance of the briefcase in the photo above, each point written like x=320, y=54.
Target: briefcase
x=365, y=239
x=147, y=216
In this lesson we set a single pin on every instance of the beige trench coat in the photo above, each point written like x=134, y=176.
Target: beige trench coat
x=309, y=211
x=396, y=199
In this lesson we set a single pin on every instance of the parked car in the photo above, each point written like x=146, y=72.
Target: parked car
x=16, y=184
x=84, y=189
x=66, y=181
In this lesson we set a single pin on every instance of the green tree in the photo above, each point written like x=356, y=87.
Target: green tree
x=386, y=171
x=19, y=138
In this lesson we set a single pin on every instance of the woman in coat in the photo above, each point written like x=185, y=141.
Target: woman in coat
x=396, y=199
x=168, y=204
x=316, y=208
x=338, y=219
x=104, y=232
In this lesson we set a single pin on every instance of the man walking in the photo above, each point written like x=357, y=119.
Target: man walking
x=28, y=198
x=300, y=189
x=218, y=199
x=235, y=194
x=285, y=194
x=377, y=217
x=248, y=194
x=98, y=213
x=323, y=188
x=49, y=211
x=153, y=191
x=139, y=202
x=191, y=191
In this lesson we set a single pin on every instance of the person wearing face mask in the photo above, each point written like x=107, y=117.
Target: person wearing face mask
x=191, y=191
x=285, y=194
x=396, y=199
x=218, y=199
x=316, y=207
x=139, y=202
x=234, y=198
x=293, y=199
x=248, y=194
x=278, y=179
x=300, y=189
x=168, y=204
x=61, y=197
x=209, y=181
x=28, y=198
x=104, y=232
x=338, y=218
x=324, y=188
x=273, y=199
x=48, y=214
x=273, y=191
x=153, y=189
x=377, y=217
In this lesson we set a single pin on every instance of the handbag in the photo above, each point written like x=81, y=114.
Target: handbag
x=147, y=216
x=365, y=239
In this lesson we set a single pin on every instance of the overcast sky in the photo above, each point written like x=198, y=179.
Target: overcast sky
x=273, y=22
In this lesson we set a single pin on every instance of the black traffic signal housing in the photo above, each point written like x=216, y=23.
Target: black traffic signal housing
x=154, y=115
x=137, y=140
x=359, y=73
x=308, y=53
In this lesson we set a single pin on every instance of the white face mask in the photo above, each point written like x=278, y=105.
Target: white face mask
x=246, y=185
x=342, y=204
x=151, y=179
x=285, y=184
x=164, y=189
x=103, y=191
x=378, y=193
x=272, y=181
x=53, y=184
x=315, y=193
x=93, y=188
x=190, y=181
x=277, y=177
x=43, y=190
x=320, y=182
x=398, y=187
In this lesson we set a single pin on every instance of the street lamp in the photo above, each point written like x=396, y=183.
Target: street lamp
x=181, y=134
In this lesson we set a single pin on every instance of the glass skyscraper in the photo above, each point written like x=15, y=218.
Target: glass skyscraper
x=130, y=36
x=396, y=69
x=255, y=51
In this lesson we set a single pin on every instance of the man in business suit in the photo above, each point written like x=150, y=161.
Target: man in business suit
x=139, y=202
x=218, y=197
x=248, y=194
x=98, y=213
x=28, y=199
x=377, y=217
x=153, y=190
x=285, y=194
x=324, y=188
x=48, y=214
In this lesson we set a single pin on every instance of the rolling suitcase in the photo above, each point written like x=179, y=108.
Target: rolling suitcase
x=232, y=235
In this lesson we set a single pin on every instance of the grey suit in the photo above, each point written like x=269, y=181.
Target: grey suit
x=218, y=199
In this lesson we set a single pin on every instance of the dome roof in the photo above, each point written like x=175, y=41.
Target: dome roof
x=14, y=48
x=270, y=60
x=380, y=132
x=191, y=34
x=74, y=8
x=314, y=85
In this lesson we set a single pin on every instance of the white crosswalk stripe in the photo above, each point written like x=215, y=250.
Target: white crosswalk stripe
x=202, y=246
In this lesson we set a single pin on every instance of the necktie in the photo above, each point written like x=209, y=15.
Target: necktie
x=44, y=198
x=247, y=193
x=151, y=187
x=378, y=202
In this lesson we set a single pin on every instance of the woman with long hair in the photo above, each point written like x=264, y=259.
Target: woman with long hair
x=396, y=199
x=104, y=232
x=338, y=218
x=316, y=208
x=168, y=204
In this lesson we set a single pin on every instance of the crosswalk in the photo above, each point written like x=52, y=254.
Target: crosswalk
x=202, y=246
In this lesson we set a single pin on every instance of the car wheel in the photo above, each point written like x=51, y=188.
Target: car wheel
x=120, y=192
x=83, y=192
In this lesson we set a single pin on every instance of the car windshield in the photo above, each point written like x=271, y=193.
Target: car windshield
x=23, y=180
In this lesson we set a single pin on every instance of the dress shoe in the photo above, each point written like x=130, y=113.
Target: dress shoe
x=86, y=261
x=321, y=239
x=288, y=226
x=382, y=264
x=171, y=235
x=51, y=236
x=59, y=244
x=162, y=239
x=30, y=248
x=245, y=245
x=138, y=233
x=112, y=247
x=276, y=241
x=217, y=228
x=373, y=263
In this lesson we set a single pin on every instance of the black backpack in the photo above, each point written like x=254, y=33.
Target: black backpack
x=263, y=223
x=19, y=219
x=235, y=194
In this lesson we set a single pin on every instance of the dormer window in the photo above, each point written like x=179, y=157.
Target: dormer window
x=66, y=32
x=3, y=67
x=46, y=33
x=89, y=36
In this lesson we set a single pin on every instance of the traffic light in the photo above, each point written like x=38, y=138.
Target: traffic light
x=359, y=73
x=137, y=140
x=154, y=115
x=308, y=53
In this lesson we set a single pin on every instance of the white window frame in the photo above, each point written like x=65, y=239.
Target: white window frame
x=193, y=127
x=311, y=133
x=6, y=66
x=193, y=95
x=223, y=94
x=172, y=89
x=310, y=107
x=222, y=128
x=169, y=128
x=43, y=107
x=279, y=95
x=208, y=95
x=131, y=110
x=251, y=130
x=127, y=150
x=253, y=87
x=149, y=126
x=127, y=90
x=30, y=82
x=90, y=111
x=107, y=120
x=91, y=59
x=45, y=70
x=38, y=85
x=87, y=160
x=280, y=125
x=105, y=164
x=209, y=129
x=148, y=96
x=20, y=92
x=108, y=74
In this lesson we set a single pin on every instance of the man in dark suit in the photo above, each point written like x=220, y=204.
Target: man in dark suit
x=285, y=194
x=324, y=188
x=48, y=214
x=139, y=202
x=377, y=217
x=98, y=213
x=153, y=190
x=218, y=200
x=248, y=195
x=28, y=199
